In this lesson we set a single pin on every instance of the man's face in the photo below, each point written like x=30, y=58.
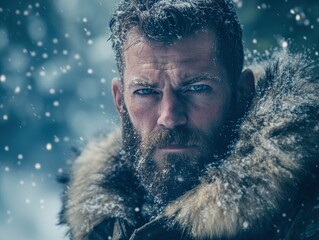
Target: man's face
x=177, y=98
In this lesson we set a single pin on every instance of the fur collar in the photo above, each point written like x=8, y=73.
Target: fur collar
x=277, y=147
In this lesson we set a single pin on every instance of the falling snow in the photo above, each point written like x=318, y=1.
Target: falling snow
x=2, y=78
x=56, y=70
x=284, y=44
x=17, y=90
x=245, y=225
x=56, y=139
x=48, y=146
x=56, y=103
x=52, y=91
x=37, y=166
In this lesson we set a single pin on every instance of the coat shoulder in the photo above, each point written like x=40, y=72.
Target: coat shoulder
x=84, y=190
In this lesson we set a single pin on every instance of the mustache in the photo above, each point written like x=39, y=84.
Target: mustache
x=179, y=136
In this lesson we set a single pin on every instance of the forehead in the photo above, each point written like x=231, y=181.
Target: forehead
x=193, y=52
x=200, y=43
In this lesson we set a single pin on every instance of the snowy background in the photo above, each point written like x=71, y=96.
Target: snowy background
x=56, y=67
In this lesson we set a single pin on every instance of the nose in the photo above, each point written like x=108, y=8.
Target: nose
x=172, y=111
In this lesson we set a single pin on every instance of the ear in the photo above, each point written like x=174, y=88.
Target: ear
x=245, y=91
x=117, y=95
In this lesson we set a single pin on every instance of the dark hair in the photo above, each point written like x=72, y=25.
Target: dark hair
x=169, y=20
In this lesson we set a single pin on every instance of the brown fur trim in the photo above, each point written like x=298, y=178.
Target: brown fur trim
x=86, y=199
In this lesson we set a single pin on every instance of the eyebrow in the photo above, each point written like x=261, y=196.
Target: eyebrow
x=141, y=82
x=199, y=78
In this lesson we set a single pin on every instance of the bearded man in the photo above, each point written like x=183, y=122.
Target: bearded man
x=206, y=150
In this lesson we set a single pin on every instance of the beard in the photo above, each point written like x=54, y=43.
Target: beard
x=166, y=176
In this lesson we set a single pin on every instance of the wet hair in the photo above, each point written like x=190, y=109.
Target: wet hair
x=167, y=21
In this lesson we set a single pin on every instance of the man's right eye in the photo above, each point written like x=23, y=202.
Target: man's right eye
x=145, y=91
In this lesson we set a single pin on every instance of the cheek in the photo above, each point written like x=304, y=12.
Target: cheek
x=211, y=116
x=142, y=114
x=206, y=118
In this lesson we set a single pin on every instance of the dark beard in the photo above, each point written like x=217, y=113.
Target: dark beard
x=180, y=172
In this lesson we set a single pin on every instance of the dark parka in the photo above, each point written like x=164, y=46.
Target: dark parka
x=267, y=188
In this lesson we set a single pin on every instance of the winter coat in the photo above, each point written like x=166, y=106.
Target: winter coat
x=267, y=188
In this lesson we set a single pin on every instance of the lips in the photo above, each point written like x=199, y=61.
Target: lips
x=176, y=147
x=173, y=140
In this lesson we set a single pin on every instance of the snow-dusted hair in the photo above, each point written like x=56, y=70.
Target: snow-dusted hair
x=167, y=21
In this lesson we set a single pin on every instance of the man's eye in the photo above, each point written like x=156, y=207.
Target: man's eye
x=145, y=91
x=198, y=88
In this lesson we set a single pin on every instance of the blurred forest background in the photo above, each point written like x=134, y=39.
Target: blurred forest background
x=56, y=67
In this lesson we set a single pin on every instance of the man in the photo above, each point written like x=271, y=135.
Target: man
x=202, y=154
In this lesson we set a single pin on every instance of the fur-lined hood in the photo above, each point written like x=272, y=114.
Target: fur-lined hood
x=275, y=156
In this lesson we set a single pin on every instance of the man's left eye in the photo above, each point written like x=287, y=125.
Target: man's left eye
x=145, y=91
x=198, y=88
